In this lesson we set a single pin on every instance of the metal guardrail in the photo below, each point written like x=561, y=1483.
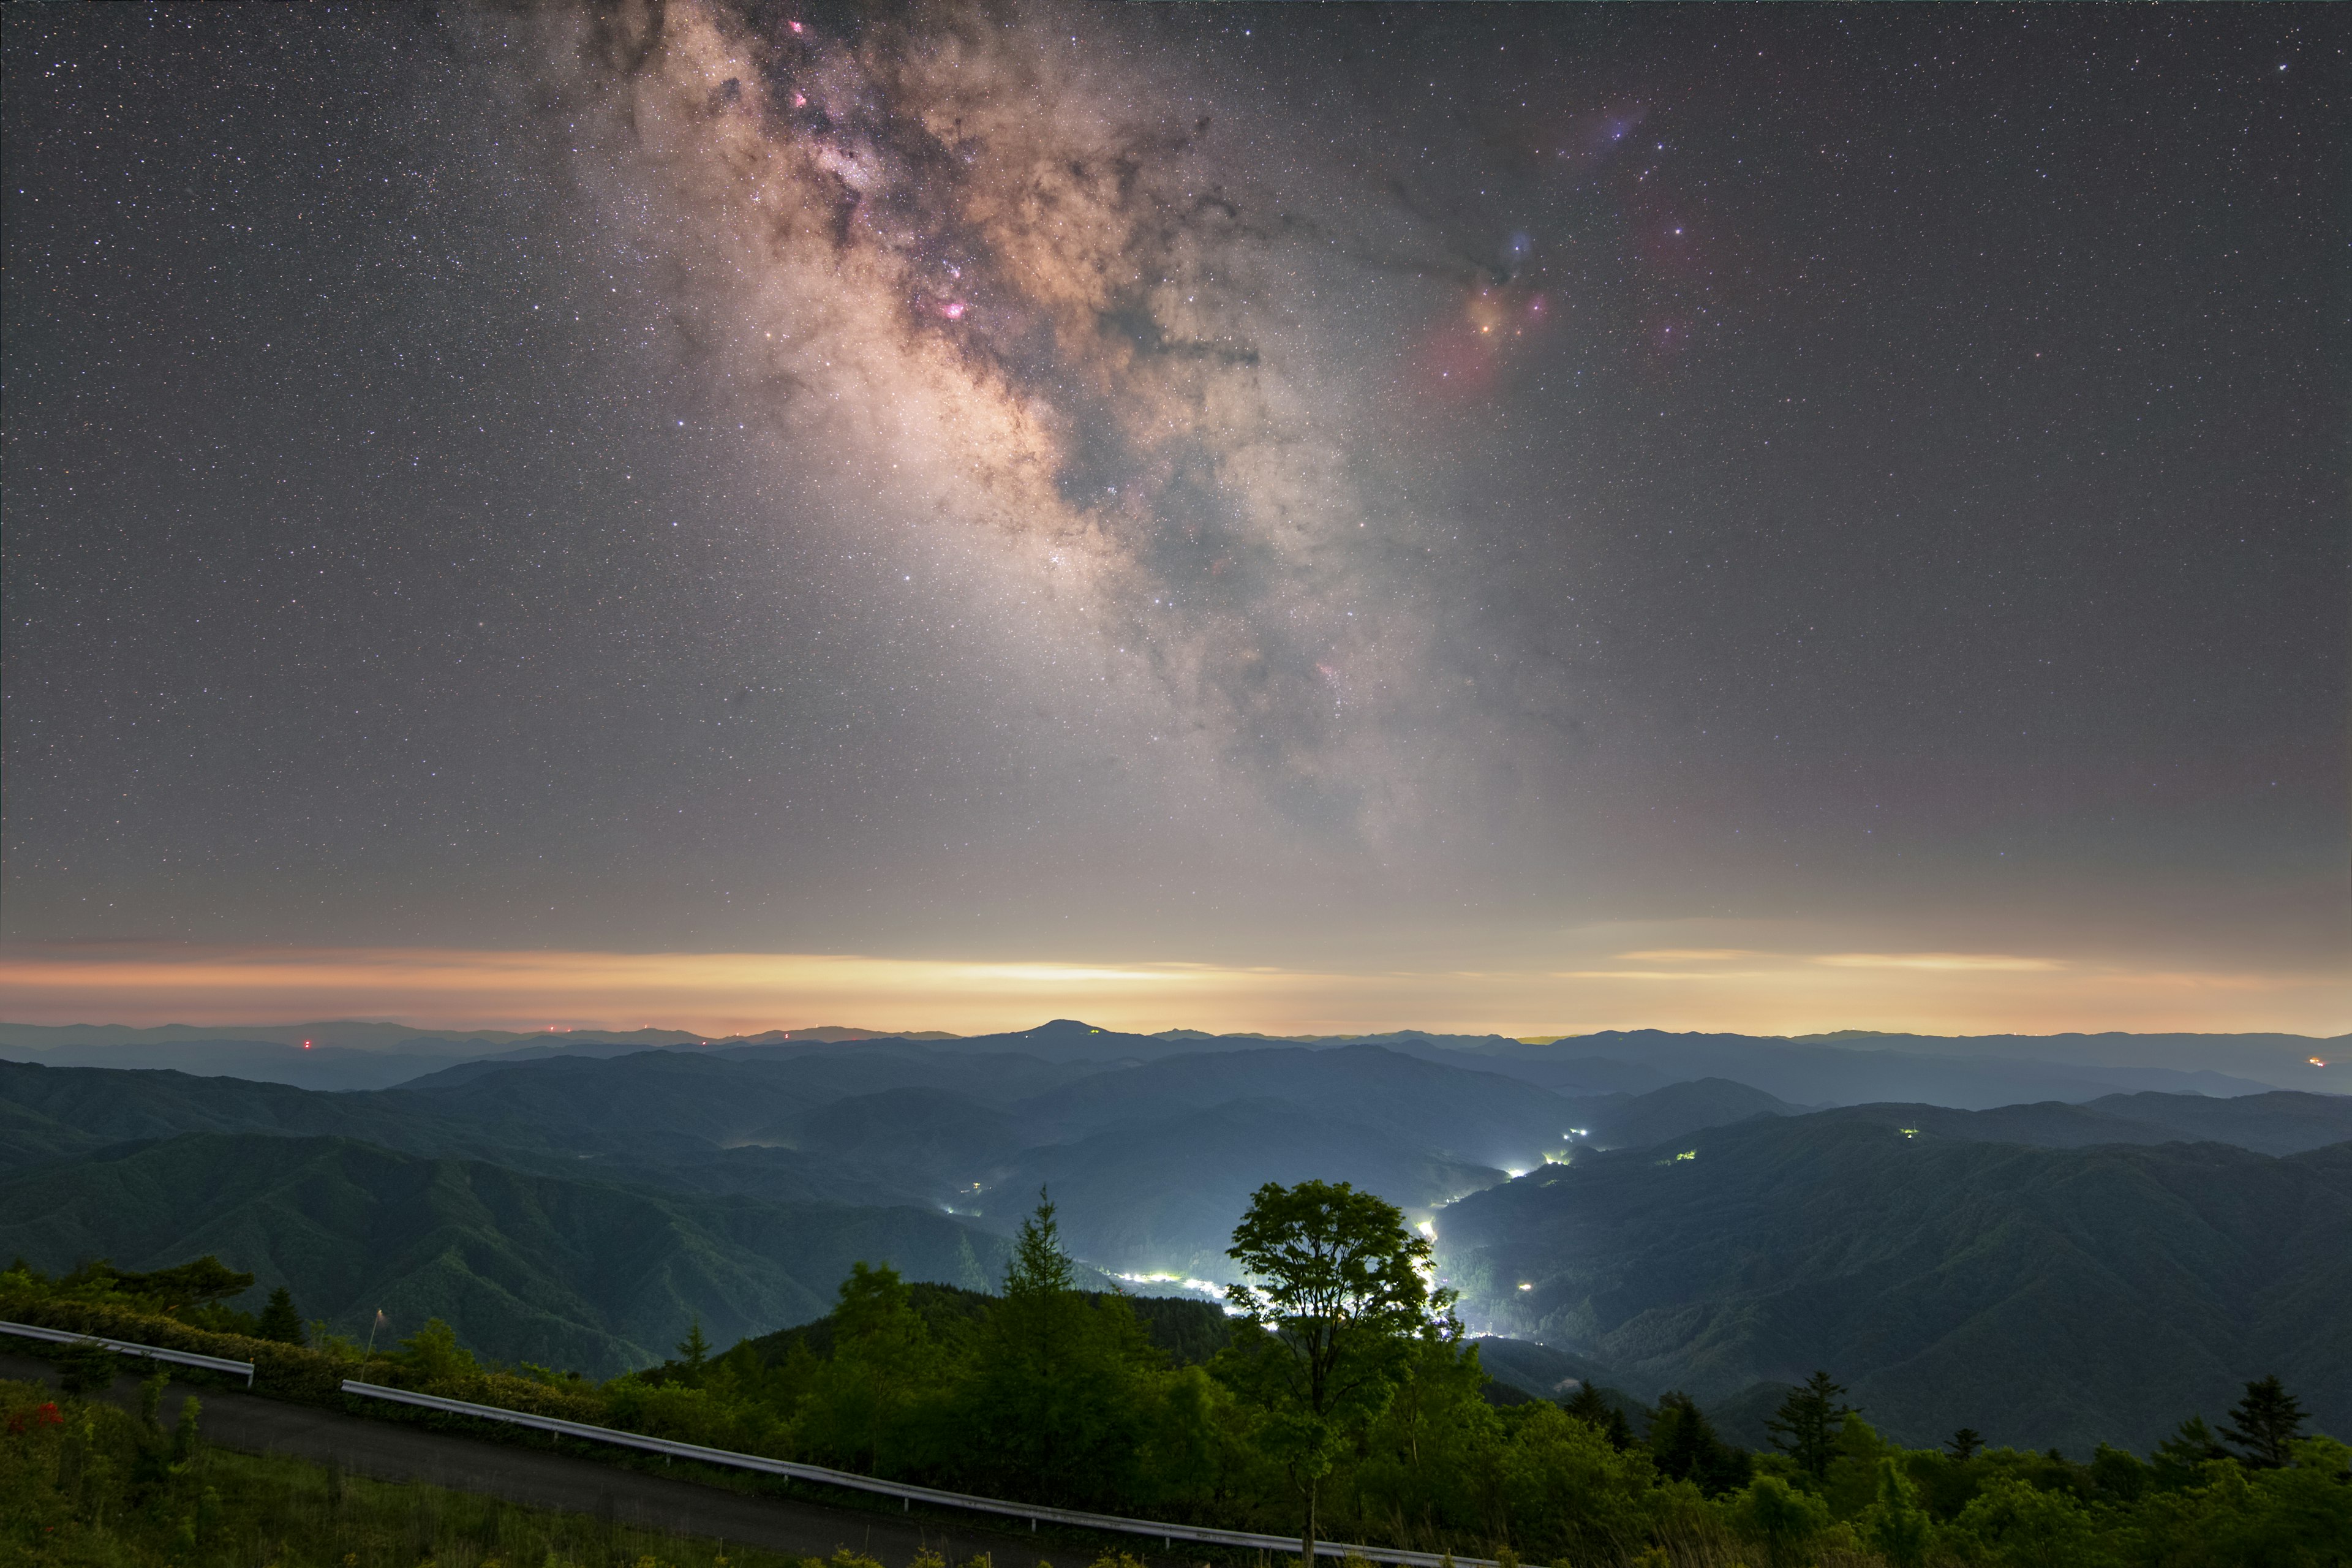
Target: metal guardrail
x=124, y=1347
x=1169, y=1533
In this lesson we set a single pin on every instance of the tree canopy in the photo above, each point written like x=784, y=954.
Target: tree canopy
x=280, y=1320
x=1341, y=1298
x=1063, y=1396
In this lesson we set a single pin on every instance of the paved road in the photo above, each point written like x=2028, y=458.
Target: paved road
x=391, y=1451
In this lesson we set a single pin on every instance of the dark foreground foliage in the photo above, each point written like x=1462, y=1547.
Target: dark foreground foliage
x=86, y=1485
x=1065, y=1397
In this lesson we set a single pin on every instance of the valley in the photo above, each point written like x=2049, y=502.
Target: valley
x=2060, y=1272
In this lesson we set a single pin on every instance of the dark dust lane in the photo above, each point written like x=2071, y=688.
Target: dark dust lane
x=389, y=1451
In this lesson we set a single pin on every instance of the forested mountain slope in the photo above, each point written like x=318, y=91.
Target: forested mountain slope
x=1949, y=1239
x=576, y=1274
x=2066, y=1296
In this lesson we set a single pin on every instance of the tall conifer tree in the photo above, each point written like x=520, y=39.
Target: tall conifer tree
x=2266, y=1423
x=1809, y=1422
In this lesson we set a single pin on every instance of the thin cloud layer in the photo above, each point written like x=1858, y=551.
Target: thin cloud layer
x=741, y=993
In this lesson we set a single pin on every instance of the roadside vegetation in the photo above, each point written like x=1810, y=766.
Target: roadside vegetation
x=1345, y=1402
x=84, y=1484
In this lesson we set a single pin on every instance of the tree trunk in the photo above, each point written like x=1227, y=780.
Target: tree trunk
x=1306, y=1541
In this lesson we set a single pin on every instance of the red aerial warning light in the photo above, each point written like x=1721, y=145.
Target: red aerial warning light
x=306, y=1045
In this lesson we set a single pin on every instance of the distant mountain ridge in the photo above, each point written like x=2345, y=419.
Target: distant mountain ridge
x=377, y=1035
x=1845, y=1067
x=1820, y=1074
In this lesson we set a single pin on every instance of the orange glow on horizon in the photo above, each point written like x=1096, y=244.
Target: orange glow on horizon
x=738, y=993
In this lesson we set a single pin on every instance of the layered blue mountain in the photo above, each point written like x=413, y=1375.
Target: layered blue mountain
x=2048, y=1268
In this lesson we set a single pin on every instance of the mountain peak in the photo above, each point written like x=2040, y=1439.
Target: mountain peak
x=1062, y=1029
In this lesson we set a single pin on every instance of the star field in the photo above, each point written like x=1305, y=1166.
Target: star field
x=1237, y=486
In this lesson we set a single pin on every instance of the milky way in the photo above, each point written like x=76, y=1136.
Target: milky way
x=1017, y=285
x=1425, y=488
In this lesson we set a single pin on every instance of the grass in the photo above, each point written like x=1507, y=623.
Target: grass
x=87, y=1485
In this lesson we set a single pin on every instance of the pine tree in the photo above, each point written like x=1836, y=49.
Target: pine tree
x=1684, y=1447
x=1619, y=1432
x=1039, y=1266
x=1964, y=1445
x=279, y=1322
x=1056, y=1399
x=1587, y=1406
x=1809, y=1422
x=1678, y=1435
x=2266, y=1423
x=694, y=1350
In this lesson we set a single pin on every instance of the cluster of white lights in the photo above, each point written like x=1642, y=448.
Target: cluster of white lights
x=1209, y=1288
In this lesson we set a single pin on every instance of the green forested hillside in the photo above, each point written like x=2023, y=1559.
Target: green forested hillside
x=48, y=1114
x=1053, y=1394
x=527, y=1267
x=2058, y=1295
x=1919, y=1266
x=52, y=1111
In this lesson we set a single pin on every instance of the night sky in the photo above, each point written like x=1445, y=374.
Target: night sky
x=1535, y=519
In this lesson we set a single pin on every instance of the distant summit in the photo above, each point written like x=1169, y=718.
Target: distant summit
x=1058, y=1030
